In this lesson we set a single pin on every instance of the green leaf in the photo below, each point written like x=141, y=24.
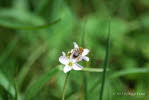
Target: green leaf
x=36, y=86
x=130, y=71
x=16, y=19
x=5, y=83
x=9, y=87
x=8, y=50
x=27, y=66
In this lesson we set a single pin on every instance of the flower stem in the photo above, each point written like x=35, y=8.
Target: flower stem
x=87, y=69
x=64, y=88
x=93, y=69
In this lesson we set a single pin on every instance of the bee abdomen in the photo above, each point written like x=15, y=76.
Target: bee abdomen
x=75, y=55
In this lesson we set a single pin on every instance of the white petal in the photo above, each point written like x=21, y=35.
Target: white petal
x=73, y=60
x=85, y=52
x=79, y=59
x=63, y=54
x=67, y=69
x=70, y=51
x=86, y=58
x=77, y=67
x=75, y=45
x=63, y=60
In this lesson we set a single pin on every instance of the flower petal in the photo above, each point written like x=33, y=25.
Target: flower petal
x=77, y=67
x=75, y=45
x=85, y=52
x=67, y=69
x=86, y=58
x=63, y=54
x=73, y=60
x=63, y=60
x=79, y=59
x=70, y=51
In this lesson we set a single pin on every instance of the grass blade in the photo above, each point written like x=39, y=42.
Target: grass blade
x=29, y=27
x=16, y=91
x=130, y=71
x=5, y=83
x=27, y=66
x=8, y=50
x=106, y=61
x=83, y=37
x=36, y=86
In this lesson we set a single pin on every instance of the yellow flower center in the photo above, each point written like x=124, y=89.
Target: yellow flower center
x=70, y=64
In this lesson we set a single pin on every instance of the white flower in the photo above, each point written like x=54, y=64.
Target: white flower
x=80, y=52
x=69, y=63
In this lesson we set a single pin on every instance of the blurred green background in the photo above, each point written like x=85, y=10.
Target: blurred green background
x=33, y=33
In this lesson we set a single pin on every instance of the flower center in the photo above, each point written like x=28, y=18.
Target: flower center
x=70, y=64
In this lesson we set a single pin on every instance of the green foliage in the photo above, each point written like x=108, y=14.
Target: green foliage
x=106, y=62
x=33, y=33
x=38, y=84
x=4, y=82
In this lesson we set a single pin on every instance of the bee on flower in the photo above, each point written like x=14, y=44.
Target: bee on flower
x=74, y=56
x=79, y=53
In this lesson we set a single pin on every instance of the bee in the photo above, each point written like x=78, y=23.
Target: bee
x=77, y=52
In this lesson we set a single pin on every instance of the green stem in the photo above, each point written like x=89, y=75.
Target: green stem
x=87, y=69
x=106, y=62
x=16, y=92
x=64, y=89
x=92, y=69
x=85, y=74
